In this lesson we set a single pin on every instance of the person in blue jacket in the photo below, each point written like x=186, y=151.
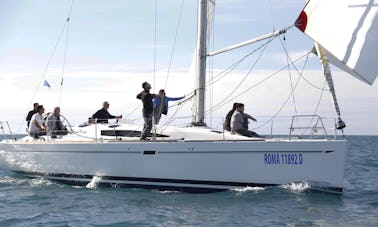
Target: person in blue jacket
x=161, y=105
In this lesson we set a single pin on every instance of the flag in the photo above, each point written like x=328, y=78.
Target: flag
x=45, y=83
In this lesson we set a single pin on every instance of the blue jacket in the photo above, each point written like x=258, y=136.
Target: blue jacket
x=157, y=100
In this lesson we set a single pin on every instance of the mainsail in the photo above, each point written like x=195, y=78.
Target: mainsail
x=348, y=30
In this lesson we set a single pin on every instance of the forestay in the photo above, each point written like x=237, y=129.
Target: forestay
x=348, y=30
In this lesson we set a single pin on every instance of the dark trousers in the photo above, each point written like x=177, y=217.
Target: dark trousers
x=37, y=134
x=246, y=132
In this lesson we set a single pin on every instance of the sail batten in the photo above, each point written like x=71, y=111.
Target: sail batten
x=348, y=30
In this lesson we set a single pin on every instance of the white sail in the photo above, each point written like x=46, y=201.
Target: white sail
x=348, y=30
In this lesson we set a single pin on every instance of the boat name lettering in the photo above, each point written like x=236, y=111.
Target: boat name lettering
x=283, y=158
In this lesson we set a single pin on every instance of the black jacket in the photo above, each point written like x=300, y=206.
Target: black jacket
x=146, y=98
x=102, y=116
x=227, y=122
x=30, y=115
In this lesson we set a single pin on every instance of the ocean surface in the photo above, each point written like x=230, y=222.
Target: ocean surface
x=39, y=202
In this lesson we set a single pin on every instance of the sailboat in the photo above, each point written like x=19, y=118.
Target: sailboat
x=198, y=158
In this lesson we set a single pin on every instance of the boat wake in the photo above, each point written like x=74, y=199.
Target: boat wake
x=94, y=182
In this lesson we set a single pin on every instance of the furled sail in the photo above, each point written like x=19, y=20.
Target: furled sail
x=348, y=30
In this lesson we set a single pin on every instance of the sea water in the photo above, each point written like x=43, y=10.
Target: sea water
x=39, y=202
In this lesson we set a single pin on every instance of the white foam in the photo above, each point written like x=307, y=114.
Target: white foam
x=248, y=189
x=297, y=187
x=40, y=181
x=94, y=182
x=11, y=180
x=33, y=182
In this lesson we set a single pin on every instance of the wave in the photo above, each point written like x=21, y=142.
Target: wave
x=297, y=187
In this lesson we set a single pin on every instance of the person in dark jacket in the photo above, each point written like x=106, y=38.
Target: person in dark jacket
x=103, y=115
x=31, y=113
x=148, y=109
x=161, y=105
x=227, y=122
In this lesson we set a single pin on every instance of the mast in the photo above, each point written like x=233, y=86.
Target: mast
x=200, y=71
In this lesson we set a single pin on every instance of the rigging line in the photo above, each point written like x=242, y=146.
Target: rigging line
x=271, y=14
x=265, y=79
x=211, y=88
x=229, y=69
x=172, y=118
x=284, y=104
x=65, y=52
x=233, y=66
x=317, y=107
x=155, y=42
x=133, y=111
x=45, y=69
x=224, y=101
x=211, y=71
x=307, y=55
x=174, y=44
x=154, y=83
x=190, y=96
x=284, y=47
x=309, y=82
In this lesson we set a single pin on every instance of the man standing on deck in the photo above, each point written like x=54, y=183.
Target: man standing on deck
x=148, y=109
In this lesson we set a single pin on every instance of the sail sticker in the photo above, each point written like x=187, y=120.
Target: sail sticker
x=301, y=22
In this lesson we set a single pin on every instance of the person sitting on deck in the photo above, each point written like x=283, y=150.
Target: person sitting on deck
x=238, y=122
x=31, y=113
x=54, y=124
x=102, y=115
x=227, y=122
x=37, y=126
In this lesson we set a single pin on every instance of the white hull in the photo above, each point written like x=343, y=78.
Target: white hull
x=181, y=164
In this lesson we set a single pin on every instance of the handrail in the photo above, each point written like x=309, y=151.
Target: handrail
x=5, y=128
x=318, y=125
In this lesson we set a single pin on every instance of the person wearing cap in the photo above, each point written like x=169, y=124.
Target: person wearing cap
x=37, y=125
x=161, y=105
x=102, y=115
x=148, y=109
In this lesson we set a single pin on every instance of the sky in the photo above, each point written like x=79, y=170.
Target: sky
x=112, y=47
